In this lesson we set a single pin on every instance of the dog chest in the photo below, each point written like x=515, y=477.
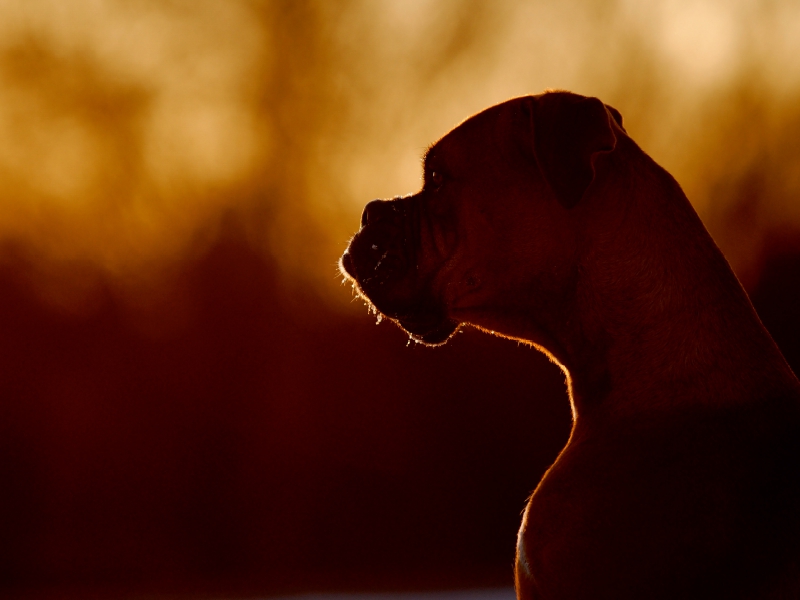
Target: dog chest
x=673, y=507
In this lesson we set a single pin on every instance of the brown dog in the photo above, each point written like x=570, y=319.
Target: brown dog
x=540, y=220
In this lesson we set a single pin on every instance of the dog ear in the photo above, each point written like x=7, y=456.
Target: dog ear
x=568, y=132
x=617, y=116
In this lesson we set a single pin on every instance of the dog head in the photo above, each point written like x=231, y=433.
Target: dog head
x=490, y=229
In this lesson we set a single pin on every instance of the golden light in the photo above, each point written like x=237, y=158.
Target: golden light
x=127, y=130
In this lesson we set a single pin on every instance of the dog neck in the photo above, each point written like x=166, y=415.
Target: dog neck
x=660, y=319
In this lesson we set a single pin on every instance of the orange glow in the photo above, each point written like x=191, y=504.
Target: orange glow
x=128, y=129
x=124, y=127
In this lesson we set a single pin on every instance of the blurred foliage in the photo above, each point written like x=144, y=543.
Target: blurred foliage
x=129, y=129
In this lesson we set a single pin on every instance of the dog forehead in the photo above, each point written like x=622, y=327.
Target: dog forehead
x=485, y=134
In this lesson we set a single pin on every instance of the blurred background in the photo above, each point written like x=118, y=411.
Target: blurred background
x=191, y=402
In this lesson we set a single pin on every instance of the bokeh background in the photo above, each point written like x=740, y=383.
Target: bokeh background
x=191, y=402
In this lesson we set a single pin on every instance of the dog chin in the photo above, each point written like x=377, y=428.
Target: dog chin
x=435, y=335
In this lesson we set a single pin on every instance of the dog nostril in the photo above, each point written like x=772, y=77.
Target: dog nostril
x=374, y=212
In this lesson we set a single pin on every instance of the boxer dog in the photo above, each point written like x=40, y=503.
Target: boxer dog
x=540, y=220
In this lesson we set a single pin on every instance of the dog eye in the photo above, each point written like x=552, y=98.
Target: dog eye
x=437, y=179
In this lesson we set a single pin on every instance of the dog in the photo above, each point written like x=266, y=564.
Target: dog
x=542, y=221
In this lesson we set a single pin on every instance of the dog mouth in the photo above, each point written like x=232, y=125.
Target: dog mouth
x=423, y=322
x=381, y=263
x=346, y=266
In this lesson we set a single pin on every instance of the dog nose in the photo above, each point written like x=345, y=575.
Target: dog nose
x=376, y=211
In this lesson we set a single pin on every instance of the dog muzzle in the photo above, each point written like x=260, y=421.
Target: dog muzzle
x=382, y=261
